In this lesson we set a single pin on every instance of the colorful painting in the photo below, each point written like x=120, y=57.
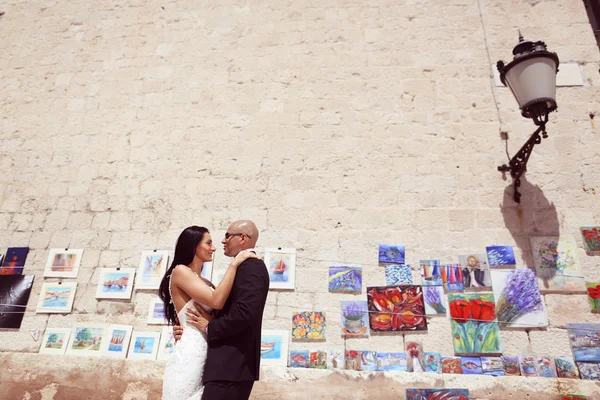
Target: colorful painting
x=274, y=347
x=391, y=362
x=414, y=357
x=501, y=257
x=398, y=274
x=86, y=339
x=391, y=253
x=471, y=365
x=435, y=300
x=335, y=359
x=317, y=359
x=14, y=261
x=368, y=360
x=153, y=265
x=14, y=295
x=63, y=263
x=144, y=345
x=492, y=366
x=156, y=312
x=556, y=262
x=547, y=367
x=474, y=324
x=585, y=341
x=591, y=239
x=299, y=359
x=115, y=283
x=589, y=371
x=396, y=308
x=432, y=362
x=451, y=365
x=566, y=368
x=308, y=325
x=431, y=274
x=511, y=365
x=437, y=394
x=352, y=360
x=116, y=342
x=529, y=366
x=281, y=264
x=593, y=294
x=345, y=278
x=355, y=318
x=55, y=340
x=452, y=277
x=56, y=297
x=518, y=299
x=572, y=397
x=475, y=272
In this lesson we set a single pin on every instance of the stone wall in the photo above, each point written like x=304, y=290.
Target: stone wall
x=335, y=125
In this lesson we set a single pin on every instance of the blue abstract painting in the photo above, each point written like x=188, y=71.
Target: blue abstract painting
x=501, y=256
x=391, y=253
x=398, y=274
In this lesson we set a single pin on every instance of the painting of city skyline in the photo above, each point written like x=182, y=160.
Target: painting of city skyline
x=585, y=341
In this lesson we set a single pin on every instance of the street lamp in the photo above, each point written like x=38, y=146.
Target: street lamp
x=531, y=76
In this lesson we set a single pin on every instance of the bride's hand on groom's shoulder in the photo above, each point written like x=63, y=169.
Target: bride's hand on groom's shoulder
x=243, y=256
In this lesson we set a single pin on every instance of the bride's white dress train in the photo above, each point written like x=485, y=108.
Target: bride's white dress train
x=182, y=379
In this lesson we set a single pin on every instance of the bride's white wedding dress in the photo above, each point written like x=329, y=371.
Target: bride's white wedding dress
x=183, y=374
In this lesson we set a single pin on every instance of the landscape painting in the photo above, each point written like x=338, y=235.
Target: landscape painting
x=308, y=325
x=115, y=283
x=274, y=347
x=391, y=253
x=153, y=265
x=345, y=278
x=437, y=394
x=585, y=341
x=281, y=264
x=355, y=318
x=396, y=308
x=63, y=263
x=556, y=262
x=55, y=341
x=56, y=297
x=144, y=345
x=501, y=257
x=86, y=339
x=398, y=274
x=391, y=362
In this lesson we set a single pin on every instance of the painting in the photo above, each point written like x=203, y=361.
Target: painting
x=281, y=264
x=435, y=300
x=432, y=362
x=593, y=295
x=391, y=253
x=335, y=359
x=299, y=359
x=566, y=368
x=451, y=365
x=166, y=346
x=431, y=274
x=398, y=274
x=572, y=397
x=556, y=262
x=471, y=365
x=14, y=261
x=529, y=366
x=86, y=339
x=14, y=295
x=55, y=340
x=63, y=263
x=474, y=325
x=452, y=277
x=355, y=318
x=56, y=297
x=368, y=360
x=116, y=341
x=352, y=360
x=308, y=325
x=492, y=366
x=437, y=394
x=317, y=359
x=144, y=345
x=115, y=283
x=589, y=371
x=156, y=312
x=585, y=341
x=547, y=367
x=396, y=308
x=511, y=365
x=153, y=265
x=501, y=257
x=414, y=357
x=391, y=362
x=591, y=239
x=475, y=272
x=274, y=347
x=518, y=300
x=345, y=278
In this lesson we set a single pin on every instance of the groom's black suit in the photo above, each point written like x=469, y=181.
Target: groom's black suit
x=233, y=358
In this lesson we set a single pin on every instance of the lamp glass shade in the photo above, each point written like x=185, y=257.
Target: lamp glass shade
x=532, y=78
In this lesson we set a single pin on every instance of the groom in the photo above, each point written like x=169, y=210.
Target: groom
x=233, y=358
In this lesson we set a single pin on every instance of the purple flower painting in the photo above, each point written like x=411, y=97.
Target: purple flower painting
x=434, y=300
x=518, y=299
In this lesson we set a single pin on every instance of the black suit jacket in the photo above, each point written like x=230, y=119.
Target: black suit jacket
x=234, y=335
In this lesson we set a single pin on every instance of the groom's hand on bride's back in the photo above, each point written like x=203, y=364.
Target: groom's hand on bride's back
x=177, y=330
x=198, y=317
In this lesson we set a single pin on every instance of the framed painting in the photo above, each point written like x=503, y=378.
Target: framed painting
x=308, y=325
x=529, y=366
x=585, y=342
x=281, y=264
x=317, y=359
x=63, y=263
x=437, y=394
x=501, y=257
x=153, y=265
x=86, y=339
x=352, y=360
x=566, y=368
x=14, y=296
x=451, y=365
x=299, y=359
x=435, y=300
x=391, y=253
x=398, y=274
x=166, y=346
x=156, y=312
x=492, y=366
x=55, y=340
x=144, y=345
x=396, y=308
x=547, y=367
x=511, y=365
x=452, y=277
x=355, y=318
x=368, y=360
x=432, y=362
x=414, y=357
x=335, y=359
x=471, y=365
x=391, y=362
x=56, y=297
x=556, y=262
x=475, y=272
x=591, y=239
x=593, y=295
x=14, y=261
x=518, y=300
x=474, y=324
x=345, y=278
x=116, y=341
x=115, y=283
x=431, y=274
x=589, y=371
x=274, y=347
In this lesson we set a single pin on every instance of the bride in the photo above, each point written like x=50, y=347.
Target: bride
x=179, y=288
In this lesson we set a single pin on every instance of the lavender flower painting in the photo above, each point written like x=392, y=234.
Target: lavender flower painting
x=355, y=318
x=518, y=299
x=434, y=300
x=501, y=257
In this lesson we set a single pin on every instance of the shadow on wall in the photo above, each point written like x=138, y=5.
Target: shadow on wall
x=535, y=215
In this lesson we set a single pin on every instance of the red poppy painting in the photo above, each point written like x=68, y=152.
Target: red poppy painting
x=591, y=238
x=396, y=308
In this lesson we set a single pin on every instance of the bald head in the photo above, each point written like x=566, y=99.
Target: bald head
x=249, y=228
x=243, y=234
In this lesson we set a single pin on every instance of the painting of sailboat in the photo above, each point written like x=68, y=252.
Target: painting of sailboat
x=274, y=347
x=281, y=264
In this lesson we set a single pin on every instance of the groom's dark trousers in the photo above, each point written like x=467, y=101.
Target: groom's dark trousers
x=233, y=358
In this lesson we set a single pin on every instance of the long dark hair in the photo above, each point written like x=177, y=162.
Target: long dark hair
x=185, y=250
